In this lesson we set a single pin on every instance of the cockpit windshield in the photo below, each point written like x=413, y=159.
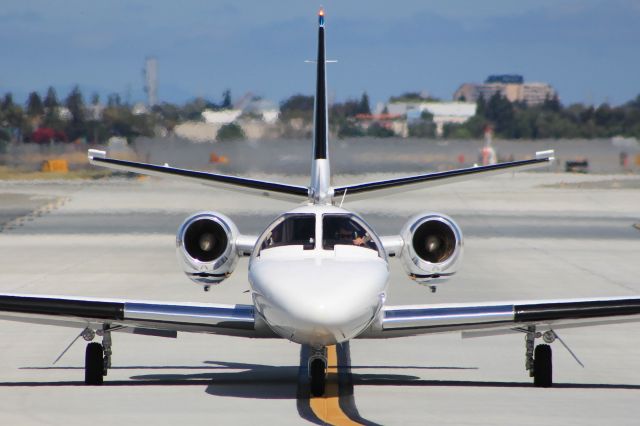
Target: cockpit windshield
x=292, y=230
x=346, y=230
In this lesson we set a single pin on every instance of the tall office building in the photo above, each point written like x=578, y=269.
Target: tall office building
x=511, y=86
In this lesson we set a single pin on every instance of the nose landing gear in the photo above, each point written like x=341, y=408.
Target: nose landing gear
x=317, y=371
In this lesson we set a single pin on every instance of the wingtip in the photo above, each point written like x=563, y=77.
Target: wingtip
x=96, y=153
x=549, y=154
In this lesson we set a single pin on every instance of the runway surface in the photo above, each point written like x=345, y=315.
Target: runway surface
x=528, y=236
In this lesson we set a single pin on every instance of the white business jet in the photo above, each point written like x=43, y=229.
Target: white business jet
x=319, y=274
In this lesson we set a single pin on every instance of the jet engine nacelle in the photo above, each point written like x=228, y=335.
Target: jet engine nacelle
x=206, y=247
x=432, y=248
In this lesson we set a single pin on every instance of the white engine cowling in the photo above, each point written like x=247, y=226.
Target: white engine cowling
x=432, y=248
x=206, y=247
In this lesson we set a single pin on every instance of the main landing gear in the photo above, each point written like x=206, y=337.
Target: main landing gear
x=317, y=371
x=97, y=359
x=538, y=359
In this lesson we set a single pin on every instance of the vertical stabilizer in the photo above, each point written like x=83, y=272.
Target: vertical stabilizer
x=320, y=150
x=320, y=174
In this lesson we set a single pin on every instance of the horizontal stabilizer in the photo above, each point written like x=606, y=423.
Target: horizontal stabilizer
x=408, y=183
x=275, y=190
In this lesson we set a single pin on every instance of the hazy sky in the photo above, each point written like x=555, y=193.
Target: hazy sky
x=589, y=50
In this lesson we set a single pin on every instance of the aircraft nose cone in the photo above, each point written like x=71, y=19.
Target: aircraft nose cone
x=321, y=304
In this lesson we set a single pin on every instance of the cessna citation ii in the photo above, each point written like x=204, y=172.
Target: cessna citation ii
x=319, y=274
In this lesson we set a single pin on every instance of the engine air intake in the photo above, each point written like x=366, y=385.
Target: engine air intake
x=434, y=241
x=206, y=247
x=205, y=240
x=432, y=248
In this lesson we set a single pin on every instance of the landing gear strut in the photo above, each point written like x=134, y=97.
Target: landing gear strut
x=317, y=371
x=538, y=358
x=97, y=360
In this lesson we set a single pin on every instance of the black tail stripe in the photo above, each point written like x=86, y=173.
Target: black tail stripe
x=320, y=134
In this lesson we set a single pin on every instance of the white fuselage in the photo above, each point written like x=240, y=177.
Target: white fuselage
x=312, y=287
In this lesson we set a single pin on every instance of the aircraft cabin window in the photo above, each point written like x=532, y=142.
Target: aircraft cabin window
x=343, y=229
x=295, y=230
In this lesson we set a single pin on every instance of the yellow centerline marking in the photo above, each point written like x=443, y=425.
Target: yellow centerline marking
x=327, y=407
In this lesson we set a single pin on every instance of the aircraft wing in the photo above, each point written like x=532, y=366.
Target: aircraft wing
x=139, y=317
x=383, y=187
x=504, y=317
x=276, y=190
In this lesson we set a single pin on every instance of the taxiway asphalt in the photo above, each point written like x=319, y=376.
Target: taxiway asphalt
x=528, y=236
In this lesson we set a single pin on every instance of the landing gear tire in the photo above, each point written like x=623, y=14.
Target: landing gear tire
x=317, y=373
x=542, y=367
x=94, y=364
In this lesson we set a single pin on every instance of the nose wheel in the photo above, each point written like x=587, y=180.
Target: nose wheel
x=318, y=372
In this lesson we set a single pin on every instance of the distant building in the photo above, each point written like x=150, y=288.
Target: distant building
x=197, y=131
x=511, y=86
x=266, y=110
x=224, y=116
x=443, y=112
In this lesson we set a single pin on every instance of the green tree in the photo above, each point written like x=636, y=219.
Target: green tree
x=192, y=110
x=7, y=102
x=552, y=104
x=363, y=106
x=349, y=108
x=114, y=100
x=230, y=132
x=51, y=104
x=51, y=99
x=346, y=128
x=481, y=106
x=376, y=130
x=424, y=127
x=76, y=127
x=35, y=107
x=500, y=112
x=297, y=106
x=11, y=114
x=297, y=103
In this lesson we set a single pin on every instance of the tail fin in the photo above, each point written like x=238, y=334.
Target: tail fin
x=320, y=149
x=320, y=187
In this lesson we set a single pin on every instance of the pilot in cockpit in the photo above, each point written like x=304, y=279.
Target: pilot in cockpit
x=348, y=235
x=343, y=230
